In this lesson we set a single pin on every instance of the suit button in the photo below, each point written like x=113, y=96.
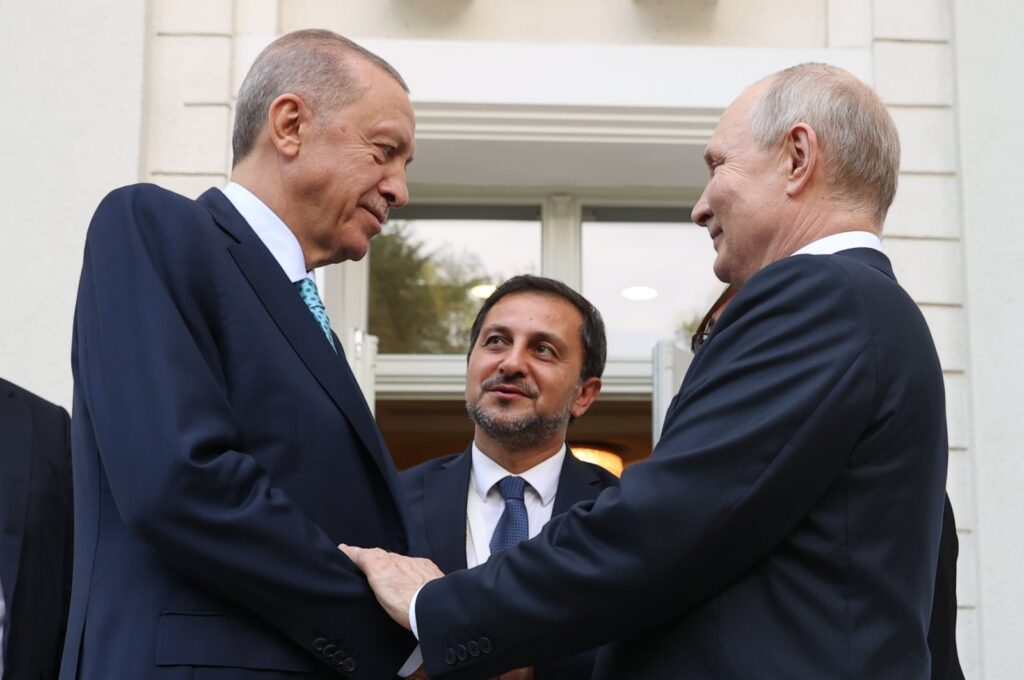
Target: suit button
x=319, y=644
x=474, y=648
x=485, y=645
x=460, y=651
x=329, y=650
x=349, y=665
x=449, y=656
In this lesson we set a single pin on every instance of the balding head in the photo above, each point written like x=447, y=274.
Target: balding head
x=313, y=64
x=859, y=143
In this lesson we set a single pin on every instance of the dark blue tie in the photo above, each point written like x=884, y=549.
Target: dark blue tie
x=514, y=524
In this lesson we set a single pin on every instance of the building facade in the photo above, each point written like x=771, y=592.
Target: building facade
x=574, y=129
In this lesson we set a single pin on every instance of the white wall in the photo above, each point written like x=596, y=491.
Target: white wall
x=990, y=98
x=71, y=78
x=791, y=24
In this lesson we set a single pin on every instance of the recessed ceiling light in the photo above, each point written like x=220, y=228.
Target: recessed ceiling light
x=483, y=291
x=639, y=293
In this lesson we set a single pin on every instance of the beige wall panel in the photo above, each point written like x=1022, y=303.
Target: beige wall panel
x=190, y=139
x=957, y=423
x=193, y=16
x=927, y=138
x=190, y=70
x=929, y=270
x=947, y=326
x=751, y=23
x=960, y=485
x=925, y=205
x=71, y=74
x=967, y=644
x=914, y=73
x=912, y=19
x=849, y=23
x=255, y=17
x=989, y=63
x=966, y=568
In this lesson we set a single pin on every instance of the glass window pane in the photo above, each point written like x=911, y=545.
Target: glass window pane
x=428, y=278
x=650, y=281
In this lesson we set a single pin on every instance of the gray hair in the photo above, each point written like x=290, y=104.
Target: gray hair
x=312, y=64
x=858, y=136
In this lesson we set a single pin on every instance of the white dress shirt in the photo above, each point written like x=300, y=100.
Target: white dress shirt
x=484, y=506
x=484, y=503
x=274, y=233
x=285, y=247
x=844, y=241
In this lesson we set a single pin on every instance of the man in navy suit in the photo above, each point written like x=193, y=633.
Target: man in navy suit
x=222, y=447
x=536, y=354
x=35, y=533
x=787, y=524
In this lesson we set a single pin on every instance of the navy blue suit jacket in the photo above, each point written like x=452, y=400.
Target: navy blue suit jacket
x=437, y=491
x=35, y=532
x=786, y=526
x=221, y=451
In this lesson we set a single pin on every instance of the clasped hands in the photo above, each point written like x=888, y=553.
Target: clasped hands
x=394, y=580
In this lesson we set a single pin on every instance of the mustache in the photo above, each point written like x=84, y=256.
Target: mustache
x=505, y=381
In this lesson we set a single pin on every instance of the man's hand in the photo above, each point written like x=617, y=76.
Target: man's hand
x=517, y=674
x=394, y=578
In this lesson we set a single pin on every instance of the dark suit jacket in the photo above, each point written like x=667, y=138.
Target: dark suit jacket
x=786, y=525
x=942, y=629
x=437, y=491
x=222, y=450
x=35, y=532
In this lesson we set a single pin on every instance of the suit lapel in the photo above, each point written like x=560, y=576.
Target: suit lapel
x=16, y=426
x=445, y=492
x=285, y=306
x=576, y=482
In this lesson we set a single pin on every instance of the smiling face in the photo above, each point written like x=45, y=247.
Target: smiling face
x=742, y=204
x=350, y=170
x=523, y=377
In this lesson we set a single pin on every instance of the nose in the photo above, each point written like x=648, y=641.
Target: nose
x=512, y=362
x=701, y=212
x=394, y=188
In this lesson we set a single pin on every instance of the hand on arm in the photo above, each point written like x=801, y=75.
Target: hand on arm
x=393, y=578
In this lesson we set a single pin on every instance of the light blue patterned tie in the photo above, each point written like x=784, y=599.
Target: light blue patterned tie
x=514, y=523
x=307, y=289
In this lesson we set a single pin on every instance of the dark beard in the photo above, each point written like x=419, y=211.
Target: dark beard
x=518, y=433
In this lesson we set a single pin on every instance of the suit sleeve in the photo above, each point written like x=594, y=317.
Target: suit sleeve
x=766, y=418
x=173, y=451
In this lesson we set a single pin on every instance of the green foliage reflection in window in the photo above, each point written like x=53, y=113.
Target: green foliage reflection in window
x=420, y=301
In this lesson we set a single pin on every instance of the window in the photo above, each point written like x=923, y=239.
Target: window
x=649, y=272
x=430, y=272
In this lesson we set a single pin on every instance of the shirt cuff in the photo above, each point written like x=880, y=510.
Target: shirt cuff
x=412, y=614
x=411, y=664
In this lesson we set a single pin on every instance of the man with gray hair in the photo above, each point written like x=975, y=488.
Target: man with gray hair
x=787, y=524
x=222, y=447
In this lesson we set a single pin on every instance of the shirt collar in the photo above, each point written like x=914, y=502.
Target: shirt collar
x=275, y=234
x=844, y=241
x=543, y=477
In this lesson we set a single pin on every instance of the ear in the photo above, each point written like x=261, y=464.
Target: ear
x=288, y=120
x=589, y=390
x=800, y=154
